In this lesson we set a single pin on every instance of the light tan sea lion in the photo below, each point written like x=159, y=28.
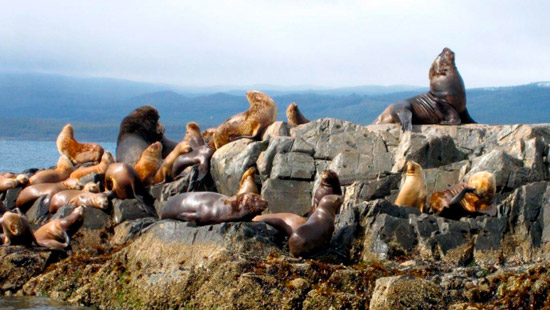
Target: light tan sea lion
x=53, y=235
x=165, y=171
x=32, y=192
x=413, y=193
x=294, y=116
x=247, y=184
x=78, y=153
x=100, y=168
x=13, y=182
x=61, y=172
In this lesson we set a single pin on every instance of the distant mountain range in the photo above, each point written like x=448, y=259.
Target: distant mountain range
x=36, y=106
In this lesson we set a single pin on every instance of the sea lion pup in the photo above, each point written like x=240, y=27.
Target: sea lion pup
x=53, y=235
x=100, y=168
x=204, y=208
x=149, y=163
x=330, y=185
x=466, y=198
x=249, y=124
x=165, y=171
x=61, y=172
x=30, y=193
x=247, y=184
x=444, y=104
x=13, y=182
x=315, y=234
x=137, y=131
x=200, y=156
x=16, y=229
x=78, y=153
x=62, y=198
x=294, y=116
x=193, y=135
x=413, y=193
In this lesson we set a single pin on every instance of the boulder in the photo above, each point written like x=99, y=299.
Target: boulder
x=287, y=196
x=277, y=129
x=265, y=159
x=405, y=292
x=297, y=166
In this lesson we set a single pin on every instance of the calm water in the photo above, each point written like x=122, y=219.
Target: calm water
x=34, y=303
x=16, y=156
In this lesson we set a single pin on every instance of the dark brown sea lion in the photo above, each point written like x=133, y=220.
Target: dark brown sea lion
x=16, y=229
x=249, y=124
x=100, y=168
x=63, y=198
x=294, y=116
x=444, y=104
x=61, y=172
x=200, y=156
x=13, y=182
x=149, y=163
x=413, y=193
x=165, y=171
x=193, y=135
x=284, y=222
x=78, y=153
x=330, y=185
x=467, y=198
x=204, y=208
x=315, y=234
x=137, y=131
x=53, y=235
x=30, y=193
x=247, y=184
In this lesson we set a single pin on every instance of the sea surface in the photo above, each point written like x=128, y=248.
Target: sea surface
x=16, y=156
x=34, y=303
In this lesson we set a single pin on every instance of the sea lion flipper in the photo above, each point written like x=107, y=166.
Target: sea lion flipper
x=405, y=119
x=53, y=244
x=456, y=199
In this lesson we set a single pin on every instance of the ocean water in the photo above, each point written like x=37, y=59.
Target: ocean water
x=16, y=156
x=34, y=303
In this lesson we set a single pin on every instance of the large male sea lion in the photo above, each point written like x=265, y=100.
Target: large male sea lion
x=16, y=229
x=149, y=163
x=466, y=198
x=30, y=193
x=13, y=182
x=413, y=193
x=137, y=131
x=54, y=234
x=78, y=153
x=294, y=116
x=62, y=171
x=444, y=104
x=249, y=124
x=315, y=234
x=100, y=168
x=204, y=208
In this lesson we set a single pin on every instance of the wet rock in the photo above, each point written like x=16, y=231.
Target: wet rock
x=19, y=264
x=287, y=195
x=402, y=292
x=129, y=209
x=11, y=197
x=298, y=166
x=39, y=213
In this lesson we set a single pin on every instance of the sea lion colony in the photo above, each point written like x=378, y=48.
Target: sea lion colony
x=144, y=157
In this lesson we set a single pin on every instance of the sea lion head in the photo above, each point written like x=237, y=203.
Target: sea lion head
x=443, y=63
x=252, y=203
x=22, y=179
x=79, y=210
x=68, y=130
x=485, y=184
x=72, y=183
x=330, y=177
x=192, y=126
x=413, y=168
x=107, y=158
x=154, y=150
x=91, y=187
x=101, y=201
x=258, y=98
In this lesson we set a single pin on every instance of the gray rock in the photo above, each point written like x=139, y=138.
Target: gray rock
x=129, y=230
x=38, y=212
x=276, y=129
x=129, y=209
x=265, y=159
x=287, y=195
x=352, y=166
x=93, y=218
x=298, y=166
x=441, y=178
x=509, y=171
x=11, y=197
x=372, y=189
x=406, y=292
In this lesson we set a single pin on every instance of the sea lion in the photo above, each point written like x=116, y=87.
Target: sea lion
x=413, y=193
x=30, y=193
x=13, y=182
x=164, y=173
x=100, y=168
x=444, y=104
x=247, y=184
x=283, y=222
x=329, y=185
x=294, y=116
x=91, y=200
x=249, y=124
x=63, y=198
x=316, y=232
x=16, y=229
x=54, y=235
x=61, y=172
x=466, y=198
x=204, y=208
x=200, y=156
x=137, y=131
x=78, y=153
x=208, y=135
x=193, y=135
x=149, y=163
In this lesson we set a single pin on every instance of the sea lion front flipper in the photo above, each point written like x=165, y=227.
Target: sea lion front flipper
x=53, y=244
x=456, y=199
x=405, y=119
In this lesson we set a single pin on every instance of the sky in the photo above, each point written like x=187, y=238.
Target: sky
x=287, y=43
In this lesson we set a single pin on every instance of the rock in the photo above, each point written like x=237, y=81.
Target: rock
x=276, y=146
x=441, y=178
x=130, y=229
x=297, y=166
x=488, y=250
x=230, y=161
x=38, y=212
x=371, y=189
x=352, y=166
x=11, y=197
x=403, y=292
x=94, y=218
x=129, y=209
x=509, y=172
x=287, y=196
x=19, y=264
x=276, y=129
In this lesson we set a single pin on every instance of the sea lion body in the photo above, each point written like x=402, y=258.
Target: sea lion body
x=164, y=173
x=54, y=235
x=413, y=193
x=100, y=168
x=149, y=163
x=78, y=153
x=294, y=116
x=30, y=193
x=247, y=184
x=200, y=156
x=316, y=232
x=445, y=103
x=16, y=229
x=203, y=208
x=330, y=185
x=249, y=124
x=193, y=135
x=60, y=173
x=64, y=197
x=13, y=182
x=283, y=222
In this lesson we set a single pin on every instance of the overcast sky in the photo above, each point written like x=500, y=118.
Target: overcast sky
x=288, y=43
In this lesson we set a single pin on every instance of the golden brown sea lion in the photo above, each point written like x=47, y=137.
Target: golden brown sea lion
x=165, y=171
x=78, y=153
x=149, y=163
x=315, y=234
x=100, y=168
x=61, y=172
x=413, y=193
x=54, y=235
x=30, y=193
x=13, y=182
x=247, y=184
x=204, y=208
x=16, y=229
x=474, y=196
x=444, y=104
x=249, y=124
x=63, y=198
x=294, y=116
